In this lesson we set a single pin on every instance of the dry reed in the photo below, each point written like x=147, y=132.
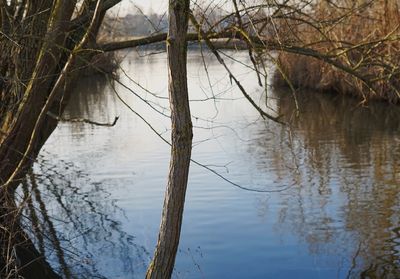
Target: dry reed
x=357, y=47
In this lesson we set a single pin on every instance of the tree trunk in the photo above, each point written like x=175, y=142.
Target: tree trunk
x=25, y=130
x=48, y=69
x=168, y=239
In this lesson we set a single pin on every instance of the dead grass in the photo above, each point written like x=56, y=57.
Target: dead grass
x=363, y=38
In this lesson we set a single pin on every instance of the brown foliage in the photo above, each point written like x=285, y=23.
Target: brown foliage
x=362, y=36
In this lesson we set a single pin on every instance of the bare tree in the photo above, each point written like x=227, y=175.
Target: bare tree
x=181, y=133
x=44, y=45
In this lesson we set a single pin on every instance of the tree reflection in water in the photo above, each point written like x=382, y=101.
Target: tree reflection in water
x=345, y=162
x=72, y=223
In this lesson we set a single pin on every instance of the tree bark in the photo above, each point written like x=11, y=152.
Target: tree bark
x=25, y=123
x=48, y=89
x=169, y=234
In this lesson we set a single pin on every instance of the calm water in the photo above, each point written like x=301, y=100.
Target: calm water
x=316, y=199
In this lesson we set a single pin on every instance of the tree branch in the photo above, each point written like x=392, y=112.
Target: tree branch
x=271, y=45
x=85, y=18
x=158, y=38
x=83, y=120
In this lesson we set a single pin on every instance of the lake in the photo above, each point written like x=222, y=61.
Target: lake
x=318, y=198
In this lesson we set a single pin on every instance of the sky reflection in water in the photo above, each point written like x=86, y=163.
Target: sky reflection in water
x=335, y=170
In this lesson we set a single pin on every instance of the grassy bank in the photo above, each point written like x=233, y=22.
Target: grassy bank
x=355, y=48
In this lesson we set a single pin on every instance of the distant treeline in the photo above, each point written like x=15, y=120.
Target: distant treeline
x=133, y=25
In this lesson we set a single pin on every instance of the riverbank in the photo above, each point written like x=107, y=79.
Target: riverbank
x=108, y=62
x=308, y=73
x=356, y=52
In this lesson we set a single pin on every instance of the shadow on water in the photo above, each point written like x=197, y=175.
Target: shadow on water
x=73, y=223
x=52, y=219
x=345, y=162
x=91, y=97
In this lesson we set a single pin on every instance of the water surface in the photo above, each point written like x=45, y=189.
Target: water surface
x=318, y=198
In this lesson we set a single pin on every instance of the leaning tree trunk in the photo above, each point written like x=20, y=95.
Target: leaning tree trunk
x=48, y=67
x=168, y=239
x=39, y=58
